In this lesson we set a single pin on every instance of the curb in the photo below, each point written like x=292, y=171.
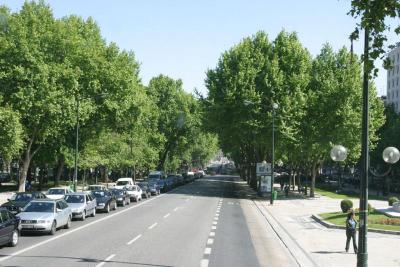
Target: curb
x=334, y=226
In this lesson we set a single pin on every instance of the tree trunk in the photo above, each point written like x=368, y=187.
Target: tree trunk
x=60, y=169
x=253, y=178
x=24, y=170
x=313, y=176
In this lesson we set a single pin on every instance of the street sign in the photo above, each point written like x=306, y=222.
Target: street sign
x=265, y=186
x=263, y=168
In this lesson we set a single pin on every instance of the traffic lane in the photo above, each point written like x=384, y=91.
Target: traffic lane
x=94, y=240
x=179, y=240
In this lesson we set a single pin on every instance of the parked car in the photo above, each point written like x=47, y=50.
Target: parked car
x=95, y=187
x=135, y=192
x=123, y=183
x=20, y=200
x=121, y=196
x=154, y=188
x=146, y=192
x=180, y=180
x=169, y=182
x=162, y=185
x=9, y=228
x=5, y=177
x=58, y=192
x=105, y=200
x=82, y=205
x=45, y=215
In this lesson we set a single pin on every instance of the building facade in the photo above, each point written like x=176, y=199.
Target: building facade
x=393, y=76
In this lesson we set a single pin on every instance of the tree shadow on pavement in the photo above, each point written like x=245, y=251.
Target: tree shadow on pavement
x=88, y=260
x=330, y=252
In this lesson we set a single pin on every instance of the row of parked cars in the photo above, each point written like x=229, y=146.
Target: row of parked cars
x=47, y=212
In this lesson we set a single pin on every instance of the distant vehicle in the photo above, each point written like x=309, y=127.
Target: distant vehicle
x=5, y=177
x=180, y=180
x=156, y=175
x=122, y=196
x=170, y=182
x=105, y=200
x=45, y=215
x=135, y=192
x=123, y=183
x=9, y=228
x=162, y=185
x=145, y=189
x=58, y=192
x=154, y=188
x=81, y=204
x=20, y=200
x=189, y=176
x=95, y=187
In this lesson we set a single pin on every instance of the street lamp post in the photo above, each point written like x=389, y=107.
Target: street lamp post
x=390, y=155
x=274, y=107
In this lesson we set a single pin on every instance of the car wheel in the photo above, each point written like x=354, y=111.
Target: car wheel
x=94, y=213
x=14, y=238
x=108, y=208
x=83, y=215
x=53, y=228
x=68, y=225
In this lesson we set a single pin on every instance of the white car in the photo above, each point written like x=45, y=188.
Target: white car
x=81, y=204
x=58, y=192
x=45, y=215
x=135, y=192
x=123, y=183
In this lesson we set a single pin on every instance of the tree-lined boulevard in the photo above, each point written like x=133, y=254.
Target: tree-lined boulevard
x=74, y=111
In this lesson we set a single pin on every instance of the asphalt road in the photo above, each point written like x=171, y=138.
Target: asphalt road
x=202, y=224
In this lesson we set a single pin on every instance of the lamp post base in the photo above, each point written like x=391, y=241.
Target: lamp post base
x=362, y=259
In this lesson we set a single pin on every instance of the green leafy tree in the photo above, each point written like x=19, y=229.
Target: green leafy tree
x=11, y=134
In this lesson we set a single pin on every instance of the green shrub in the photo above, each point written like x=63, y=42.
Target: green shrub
x=392, y=200
x=346, y=205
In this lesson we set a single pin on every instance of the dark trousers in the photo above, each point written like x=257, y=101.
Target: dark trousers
x=351, y=235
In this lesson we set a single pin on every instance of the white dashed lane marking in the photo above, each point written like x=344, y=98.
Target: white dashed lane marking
x=133, y=240
x=204, y=263
x=167, y=215
x=210, y=241
x=207, y=251
x=152, y=226
x=106, y=260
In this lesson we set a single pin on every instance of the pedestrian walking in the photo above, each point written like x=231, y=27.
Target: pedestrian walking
x=351, y=231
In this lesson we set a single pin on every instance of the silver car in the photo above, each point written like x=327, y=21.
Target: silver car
x=45, y=215
x=81, y=204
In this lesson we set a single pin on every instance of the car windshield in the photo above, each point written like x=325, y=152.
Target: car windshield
x=23, y=197
x=75, y=199
x=56, y=191
x=40, y=207
x=118, y=192
x=122, y=182
x=99, y=193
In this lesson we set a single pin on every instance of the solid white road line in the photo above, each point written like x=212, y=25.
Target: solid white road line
x=210, y=241
x=212, y=233
x=133, y=240
x=204, y=263
x=106, y=260
x=207, y=251
x=78, y=229
x=167, y=215
x=152, y=226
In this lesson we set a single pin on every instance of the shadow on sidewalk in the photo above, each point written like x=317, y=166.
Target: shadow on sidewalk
x=330, y=252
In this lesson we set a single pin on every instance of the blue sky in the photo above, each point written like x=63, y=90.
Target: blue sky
x=184, y=38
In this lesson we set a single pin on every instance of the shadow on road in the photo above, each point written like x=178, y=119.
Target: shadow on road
x=87, y=260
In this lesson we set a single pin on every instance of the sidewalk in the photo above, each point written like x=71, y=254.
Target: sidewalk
x=315, y=245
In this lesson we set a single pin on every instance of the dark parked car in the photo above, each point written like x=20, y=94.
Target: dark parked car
x=122, y=196
x=154, y=188
x=162, y=185
x=146, y=192
x=9, y=228
x=5, y=177
x=105, y=200
x=20, y=200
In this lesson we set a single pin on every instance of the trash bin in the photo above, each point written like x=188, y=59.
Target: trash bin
x=275, y=194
